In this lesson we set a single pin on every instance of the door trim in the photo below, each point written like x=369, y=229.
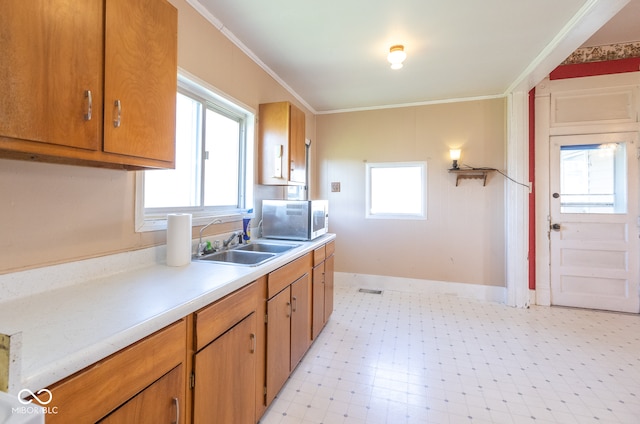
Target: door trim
x=517, y=201
x=543, y=133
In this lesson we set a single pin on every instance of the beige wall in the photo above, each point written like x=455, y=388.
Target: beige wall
x=463, y=238
x=57, y=213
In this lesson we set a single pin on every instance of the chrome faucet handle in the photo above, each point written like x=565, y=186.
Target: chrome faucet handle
x=202, y=246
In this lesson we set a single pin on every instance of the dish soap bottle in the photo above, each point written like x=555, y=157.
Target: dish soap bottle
x=246, y=228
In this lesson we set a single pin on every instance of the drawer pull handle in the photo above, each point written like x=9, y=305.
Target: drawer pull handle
x=89, y=97
x=118, y=118
x=176, y=403
x=288, y=309
x=295, y=303
x=252, y=337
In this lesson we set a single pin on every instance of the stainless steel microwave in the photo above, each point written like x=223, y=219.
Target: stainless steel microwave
x=294, y=219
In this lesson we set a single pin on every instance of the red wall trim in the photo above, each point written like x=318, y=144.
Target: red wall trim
x=596, y=68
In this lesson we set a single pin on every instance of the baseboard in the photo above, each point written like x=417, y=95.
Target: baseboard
x=413, y=285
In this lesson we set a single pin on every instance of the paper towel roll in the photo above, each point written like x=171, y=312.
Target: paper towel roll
x=178, y=239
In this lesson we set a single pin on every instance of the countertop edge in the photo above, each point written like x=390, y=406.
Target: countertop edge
x=50, y=372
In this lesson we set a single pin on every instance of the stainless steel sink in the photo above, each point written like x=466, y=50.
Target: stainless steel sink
x=253, y=254
x=267, y=247
x=238, y=257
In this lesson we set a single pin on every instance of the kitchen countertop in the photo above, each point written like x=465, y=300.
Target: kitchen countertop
x=64, y=329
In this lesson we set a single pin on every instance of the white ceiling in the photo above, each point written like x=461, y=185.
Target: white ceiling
x=331, y=54
x=622, y=28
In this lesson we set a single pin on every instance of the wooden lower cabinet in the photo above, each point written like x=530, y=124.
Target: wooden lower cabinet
x=328, y=287
x=225, y=369
x=300, y=319
x=288, y=321
x=158, y=403
x=322, y=287
x=318, y=300
x=228, y=362
x=288, y=332
x=278, y=342
x=225, y=363
x=131, y=384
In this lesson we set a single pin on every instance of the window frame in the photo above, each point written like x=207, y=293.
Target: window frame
x=154, y=219
x=422, y=215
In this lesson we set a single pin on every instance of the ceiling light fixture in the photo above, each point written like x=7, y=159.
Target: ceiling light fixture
x=396, y=56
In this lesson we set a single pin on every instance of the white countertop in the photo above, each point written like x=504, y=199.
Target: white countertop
x=68, y=327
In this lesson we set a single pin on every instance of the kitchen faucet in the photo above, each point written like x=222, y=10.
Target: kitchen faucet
x=203, y=246
x=235, y=234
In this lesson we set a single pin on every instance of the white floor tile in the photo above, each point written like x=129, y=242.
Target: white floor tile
x=416, y=358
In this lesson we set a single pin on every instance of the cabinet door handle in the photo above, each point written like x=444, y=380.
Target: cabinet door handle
x=288, y=309
x=89, y=97
x=176, y=403
x=252, y=337
x=295, y=303
x=118, y=105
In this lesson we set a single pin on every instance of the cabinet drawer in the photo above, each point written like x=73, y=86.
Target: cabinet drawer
x=330, y=248
x=95, y=391
x=282, y=277
x=318, y=255
x=213, y=320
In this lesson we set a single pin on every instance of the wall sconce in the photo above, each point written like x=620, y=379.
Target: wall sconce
x=467, y=171
x=396, y=56
x=454, y=154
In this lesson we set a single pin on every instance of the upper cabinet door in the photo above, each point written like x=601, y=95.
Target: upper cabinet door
x=141, y=68
x=297, y=147
x=51, y=62
x=281, y=133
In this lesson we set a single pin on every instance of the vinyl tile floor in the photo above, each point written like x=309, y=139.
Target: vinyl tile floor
x=400, y=357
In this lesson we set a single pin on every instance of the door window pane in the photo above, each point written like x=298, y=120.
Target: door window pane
x=593, y=178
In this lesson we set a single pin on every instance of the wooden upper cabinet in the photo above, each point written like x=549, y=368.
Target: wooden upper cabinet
x=51, y=58
x=141, y=63
x=297, y=157
x=281, y=138
x=68, y=69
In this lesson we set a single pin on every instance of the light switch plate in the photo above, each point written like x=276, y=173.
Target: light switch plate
x=335, y=187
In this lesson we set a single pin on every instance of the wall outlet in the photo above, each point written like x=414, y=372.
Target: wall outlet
x=335, y=187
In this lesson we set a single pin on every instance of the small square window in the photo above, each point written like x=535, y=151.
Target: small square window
x=396, y=190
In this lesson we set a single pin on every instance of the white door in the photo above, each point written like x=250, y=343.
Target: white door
x=594, y=221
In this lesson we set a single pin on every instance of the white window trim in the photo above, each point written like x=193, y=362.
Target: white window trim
x=420, y=216
x=158, y=221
